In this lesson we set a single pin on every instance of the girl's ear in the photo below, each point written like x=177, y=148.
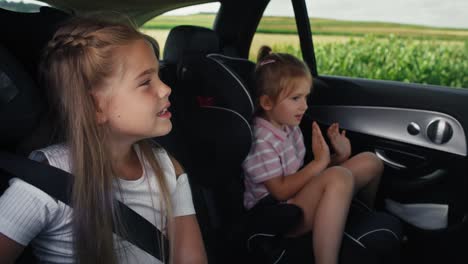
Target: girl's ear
x=101, y=117
x=266, y=103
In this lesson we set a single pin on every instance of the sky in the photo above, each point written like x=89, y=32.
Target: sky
x=438, y=13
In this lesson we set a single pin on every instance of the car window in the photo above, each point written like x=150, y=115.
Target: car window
x=419, y=41
x=199, y=15
x=24, y=6
x=277, y=29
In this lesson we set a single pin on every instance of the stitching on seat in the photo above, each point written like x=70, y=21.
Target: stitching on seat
x=378, y=230
x=232, y=111
x=256, y=235
x=352, y=238
x=266, y=235
x=226, y=57
x=363, y=204
x=210, y=56
x=281, y=256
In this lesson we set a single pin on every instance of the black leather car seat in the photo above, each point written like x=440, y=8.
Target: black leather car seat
x=23, y=108
x=30, y=33
x=21, y=104
x=183, y=44
x=209, y=115
x=20, y=109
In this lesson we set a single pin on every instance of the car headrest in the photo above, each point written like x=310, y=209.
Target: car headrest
x=20, y=102
x=31, y=32
x=183, y=40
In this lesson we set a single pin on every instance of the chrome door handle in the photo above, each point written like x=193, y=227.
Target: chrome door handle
x=386, y=160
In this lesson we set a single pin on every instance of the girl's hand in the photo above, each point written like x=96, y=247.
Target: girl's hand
x=319, y=146
x=339, y=142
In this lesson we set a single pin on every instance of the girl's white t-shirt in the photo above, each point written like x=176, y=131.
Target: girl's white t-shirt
x=28, y=215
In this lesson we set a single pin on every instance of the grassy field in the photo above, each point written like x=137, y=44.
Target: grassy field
x=372, y=50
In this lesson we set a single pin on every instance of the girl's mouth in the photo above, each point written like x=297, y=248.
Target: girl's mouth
x=164, y=113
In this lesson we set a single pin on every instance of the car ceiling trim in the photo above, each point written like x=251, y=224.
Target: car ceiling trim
x=392, y=123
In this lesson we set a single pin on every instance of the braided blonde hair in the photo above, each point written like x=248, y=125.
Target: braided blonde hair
x=77, y=61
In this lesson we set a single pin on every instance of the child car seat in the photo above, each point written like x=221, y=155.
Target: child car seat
x=223, y=102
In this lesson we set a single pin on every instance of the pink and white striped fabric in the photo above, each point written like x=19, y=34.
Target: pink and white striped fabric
x=275, y=152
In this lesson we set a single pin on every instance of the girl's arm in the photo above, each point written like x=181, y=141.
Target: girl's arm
x=340, y=144
x=177, y=167
x=285, y=187
x=336, y=160
x=188, y=242
x=10, y=250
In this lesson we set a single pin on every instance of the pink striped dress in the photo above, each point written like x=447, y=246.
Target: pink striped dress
x=275, y=152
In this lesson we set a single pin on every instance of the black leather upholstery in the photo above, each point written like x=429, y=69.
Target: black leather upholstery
x=20, y=109
x=183, y=40
x=227, y=81
x=20, y=102
x=30, y=33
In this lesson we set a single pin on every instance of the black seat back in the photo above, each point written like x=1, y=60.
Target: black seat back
x=21, y=104
x=184, y=44
x=27, y=124
x=20, y=109
x=23, y=107
x=30, y=33
x=213, y=162
x=226, y=82
x=178, y=49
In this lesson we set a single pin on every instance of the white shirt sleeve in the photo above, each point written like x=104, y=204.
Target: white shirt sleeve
x=182, y=203
x=25, y=211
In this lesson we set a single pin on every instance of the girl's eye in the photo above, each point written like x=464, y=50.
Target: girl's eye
x=295, y=98
x=145, y=83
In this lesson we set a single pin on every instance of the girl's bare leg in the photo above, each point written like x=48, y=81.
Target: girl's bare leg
x=325, y=201
x=367, y=169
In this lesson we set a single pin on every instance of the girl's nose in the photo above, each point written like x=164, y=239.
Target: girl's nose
x=164, y=90
x=304, y=104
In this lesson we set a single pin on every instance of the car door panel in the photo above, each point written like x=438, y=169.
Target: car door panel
x=378, y=116
x=424, y=128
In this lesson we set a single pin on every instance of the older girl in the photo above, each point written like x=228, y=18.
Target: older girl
x=104, y=80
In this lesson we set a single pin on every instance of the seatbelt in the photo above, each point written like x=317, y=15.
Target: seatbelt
x=58, y=183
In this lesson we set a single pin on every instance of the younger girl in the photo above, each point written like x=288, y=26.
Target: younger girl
x=272, y=168
x=104, y=80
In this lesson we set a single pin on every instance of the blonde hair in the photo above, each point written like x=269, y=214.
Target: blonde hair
x=276, y=74
x=78, y=60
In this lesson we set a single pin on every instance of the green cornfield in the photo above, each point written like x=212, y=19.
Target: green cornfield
x=372, y=50
x=392, y=58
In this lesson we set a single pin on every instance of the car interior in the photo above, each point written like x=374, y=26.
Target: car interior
x=212, y=102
